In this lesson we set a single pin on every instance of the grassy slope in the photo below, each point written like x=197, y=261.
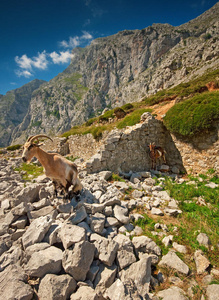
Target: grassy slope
x=196, y=111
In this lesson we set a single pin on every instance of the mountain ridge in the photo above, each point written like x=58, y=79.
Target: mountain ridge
x=122, y=68
x=13, y=107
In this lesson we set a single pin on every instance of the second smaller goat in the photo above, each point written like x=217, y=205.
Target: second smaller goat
x=61, y=171
x=156, y=152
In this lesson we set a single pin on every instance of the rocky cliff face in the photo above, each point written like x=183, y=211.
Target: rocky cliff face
x=123, y=68
x=13, y=108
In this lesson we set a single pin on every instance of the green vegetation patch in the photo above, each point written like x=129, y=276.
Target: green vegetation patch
x=147, y=225
x=71, y=158
x=116, y=177
x=14, y=147
x=96, y=131
x=193, y=115
x=30, y=171
x=80, y=89
x=106, y=116
x=198, y=216
x=133, y=118
x=185, y=89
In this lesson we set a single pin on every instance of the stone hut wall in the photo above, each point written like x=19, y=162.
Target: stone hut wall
x=201, y=152
x=125, y=150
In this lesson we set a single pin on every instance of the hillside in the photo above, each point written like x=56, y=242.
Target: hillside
x=122, y=68
x=143, y=235
x=13, y=108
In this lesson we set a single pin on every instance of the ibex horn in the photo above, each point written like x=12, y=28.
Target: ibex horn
x=33, y=138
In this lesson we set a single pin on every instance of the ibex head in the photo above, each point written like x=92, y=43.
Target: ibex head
x=29, y=148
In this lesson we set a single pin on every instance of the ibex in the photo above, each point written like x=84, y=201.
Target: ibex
x=61, y=171
x=156, y=152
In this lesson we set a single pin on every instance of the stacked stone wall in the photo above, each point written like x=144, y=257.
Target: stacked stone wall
x=127, y=149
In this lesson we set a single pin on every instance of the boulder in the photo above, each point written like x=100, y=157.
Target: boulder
x=105, y=249
x=13, y=256
x=172, y=293
x=157, y=211
x=45, y=261
x=105, y=278
x=71, y=234
x=78, y=216
x=27, y=195
x=203, y=239
x=44, y=211
x=202, y=263
x=212, y=291
x=140, y=273
x=36, y=231
x=118, y=290
x=56, y=287
x=85, y=293
x=97, y=223
x=13, y=284
x=77, y=262
x=146, y=245
x=125, y=258
x=120, y=214
x=180, y=248
x=172, y=261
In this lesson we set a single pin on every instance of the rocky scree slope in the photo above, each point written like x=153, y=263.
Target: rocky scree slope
x=122, y=68
x=83, y=249
x=13, y=108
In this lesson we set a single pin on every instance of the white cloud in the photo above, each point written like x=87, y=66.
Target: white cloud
x=62, y=58
x=86, y=36
x=76, y=40
x=24, y=73
x=28, y=65
x=40, y=61
x=23, y=62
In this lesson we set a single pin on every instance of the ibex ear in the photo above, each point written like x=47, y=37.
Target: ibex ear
x=41, y=144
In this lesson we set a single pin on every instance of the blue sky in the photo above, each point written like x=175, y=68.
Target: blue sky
x=37, y=36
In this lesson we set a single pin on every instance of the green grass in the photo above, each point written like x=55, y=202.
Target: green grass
x=184, y=89
x=71, y=158
x=80, y=89
x=116, y=177
x=97, y=130
x=14, y=147
x=193, y=115
x=195, y=217
x=32, y=171
x=132, y=118
x=186, y=118
x=147, y=225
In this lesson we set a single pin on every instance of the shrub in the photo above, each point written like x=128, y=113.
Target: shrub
x=90, y=121
x=127, y=106
x=14, y=147
x=193, y=115
x=107, y=115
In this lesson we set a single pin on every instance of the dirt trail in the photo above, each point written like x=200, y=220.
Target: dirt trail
x=161, y=109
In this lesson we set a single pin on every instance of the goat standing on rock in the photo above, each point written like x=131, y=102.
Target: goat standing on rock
x=61, y=171
x=156, y=152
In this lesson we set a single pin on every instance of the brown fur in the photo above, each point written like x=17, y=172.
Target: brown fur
x=156, y=153
x=62, y=171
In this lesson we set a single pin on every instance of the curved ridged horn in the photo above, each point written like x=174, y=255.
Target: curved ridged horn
x=30, y=137
x=33, y=138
